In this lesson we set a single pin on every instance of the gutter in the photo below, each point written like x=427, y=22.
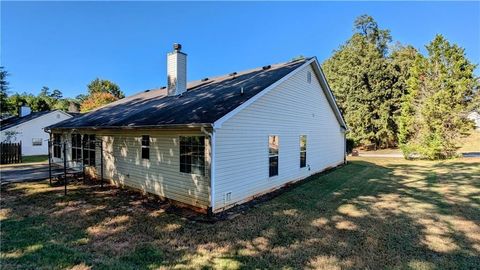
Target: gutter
x=167, y=126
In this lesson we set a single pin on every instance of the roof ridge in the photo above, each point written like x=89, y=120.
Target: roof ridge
x=237, y=73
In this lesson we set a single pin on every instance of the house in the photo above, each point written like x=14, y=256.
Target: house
x=213, y=143
x=475, y=117
x=28, y=128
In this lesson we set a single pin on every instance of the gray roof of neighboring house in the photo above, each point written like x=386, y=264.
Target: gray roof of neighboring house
x=204, y=102
x=16, y=120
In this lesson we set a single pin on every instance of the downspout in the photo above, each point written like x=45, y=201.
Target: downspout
x=212, y=136
x=344, y=147
x=49, y=155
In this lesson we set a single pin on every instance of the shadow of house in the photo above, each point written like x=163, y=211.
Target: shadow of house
x=360, y=216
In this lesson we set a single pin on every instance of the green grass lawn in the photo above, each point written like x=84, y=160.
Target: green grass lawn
x=371, y=214
x=31, y=159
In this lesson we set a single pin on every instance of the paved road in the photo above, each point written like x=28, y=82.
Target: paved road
x=23, y=173
x=471, y=154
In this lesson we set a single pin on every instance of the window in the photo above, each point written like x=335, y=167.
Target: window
x=57, y=147
x=303, y=151
x=192, y=154
x=272, y=155
x=36, y=141
x=76, y=147
x=146, y=147
x=89, y=149
x=309, y=76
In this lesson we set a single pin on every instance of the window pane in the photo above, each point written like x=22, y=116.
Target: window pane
x=192, y=154
x=183, y=167
x=36, y=141
x=303, y=159
x=146, y=153
x=92, y=142
x=273, y=145
x=303, y=143
x=145, y=140
x=92, y=158
x=273, y=166
x=303, y=151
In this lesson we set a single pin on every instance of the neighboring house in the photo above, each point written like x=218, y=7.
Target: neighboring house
x=475, y=117
x=216, y=142
x=28, y=128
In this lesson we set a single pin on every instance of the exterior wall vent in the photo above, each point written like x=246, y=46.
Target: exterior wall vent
x=227, y=197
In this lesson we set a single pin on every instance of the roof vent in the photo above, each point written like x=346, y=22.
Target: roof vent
x=163, y=87
x=266, y=67
x=233, y=74
x=148, y=90
x=241, y=91
x=204, y=79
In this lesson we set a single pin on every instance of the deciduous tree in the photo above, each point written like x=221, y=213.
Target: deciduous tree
x=105, y=86
x=96, y=100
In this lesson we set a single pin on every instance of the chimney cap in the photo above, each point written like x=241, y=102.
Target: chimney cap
x=177, y=47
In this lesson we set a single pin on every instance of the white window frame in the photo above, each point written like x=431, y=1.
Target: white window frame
x=37, y=141
x=77, y=148
x=183, y=164
x=304, y=151
x=145, y=146
x=273, y=155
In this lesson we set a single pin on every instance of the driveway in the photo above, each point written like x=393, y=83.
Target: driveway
x=23, y=173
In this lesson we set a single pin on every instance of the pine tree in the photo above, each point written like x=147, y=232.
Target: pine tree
x=402, y=59
x=362, y=81
x=440, y=94
x=4, y=107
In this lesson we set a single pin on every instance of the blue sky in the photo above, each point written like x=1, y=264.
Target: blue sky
x=65, y=45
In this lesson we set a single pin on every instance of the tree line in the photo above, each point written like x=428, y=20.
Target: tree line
x=392, y=95
x=389, y=93
x=99, y=92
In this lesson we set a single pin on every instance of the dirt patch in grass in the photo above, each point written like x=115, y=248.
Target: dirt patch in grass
x=373, y=213
x=471, y=143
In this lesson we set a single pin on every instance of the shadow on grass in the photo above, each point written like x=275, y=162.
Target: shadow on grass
x=363, y=215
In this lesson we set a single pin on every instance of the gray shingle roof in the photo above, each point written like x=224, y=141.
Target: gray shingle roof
x=14, y=121
x=203, y=103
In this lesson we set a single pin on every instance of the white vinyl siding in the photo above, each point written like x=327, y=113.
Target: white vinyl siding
x=34, y=130
x=293, y=108
x=160, y=175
